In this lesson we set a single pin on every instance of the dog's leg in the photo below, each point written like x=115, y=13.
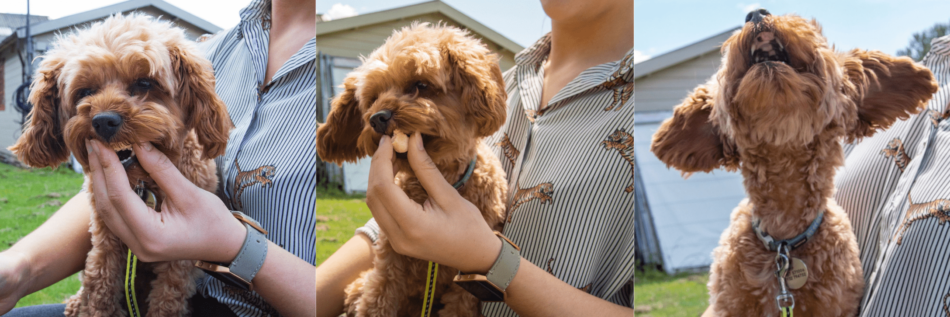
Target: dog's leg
x=73, y=304
x=173, y=286
x=103, y=275
x=385, y=284
x=354, y=292
x=459, y=303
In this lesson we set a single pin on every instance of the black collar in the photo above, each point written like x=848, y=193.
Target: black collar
x=792, y=243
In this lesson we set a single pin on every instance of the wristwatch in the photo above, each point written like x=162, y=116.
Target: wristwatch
x=491, y=287
x=240, y=272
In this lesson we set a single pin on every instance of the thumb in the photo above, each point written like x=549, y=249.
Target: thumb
x=429, y=175
x=165, y=174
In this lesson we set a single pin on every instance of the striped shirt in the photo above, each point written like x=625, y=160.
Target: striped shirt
x=269, y=168
x=894, y=187
x=570, y=175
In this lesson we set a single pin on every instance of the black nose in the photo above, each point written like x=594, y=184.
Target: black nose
x=380, y=121
x=107, y=124
x=756, y=15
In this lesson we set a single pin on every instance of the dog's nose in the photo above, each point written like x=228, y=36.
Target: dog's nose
x=107, y=124
x=756, y=16
x=380, y=121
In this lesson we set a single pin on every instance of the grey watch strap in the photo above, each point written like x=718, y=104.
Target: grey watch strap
x=251, y=257
x=506, y=265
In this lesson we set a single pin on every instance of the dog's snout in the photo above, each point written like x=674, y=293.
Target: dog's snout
x=756, y=16
x=107, y=124
x=380, y=121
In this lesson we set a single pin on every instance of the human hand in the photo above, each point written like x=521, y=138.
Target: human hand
x=194, y=224
x=14, y=277
x=446, y=228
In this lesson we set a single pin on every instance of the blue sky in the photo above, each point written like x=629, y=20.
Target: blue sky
x=662, y=26
x=522, y=21
x=223, y=13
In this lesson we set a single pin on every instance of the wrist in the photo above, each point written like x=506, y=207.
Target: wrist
x=230, y=241
x=21, y=270
x=487, y=259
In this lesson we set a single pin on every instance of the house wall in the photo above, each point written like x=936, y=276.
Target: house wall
x=666, y=88
x=12, y=71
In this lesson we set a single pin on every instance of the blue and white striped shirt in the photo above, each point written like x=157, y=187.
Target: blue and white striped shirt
x=269, y=168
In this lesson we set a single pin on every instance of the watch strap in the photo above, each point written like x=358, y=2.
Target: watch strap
x=251, y=257
x=506, y=265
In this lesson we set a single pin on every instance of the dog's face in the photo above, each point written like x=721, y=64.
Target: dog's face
x=436, y=80
x=125, y=80
x=781, y=86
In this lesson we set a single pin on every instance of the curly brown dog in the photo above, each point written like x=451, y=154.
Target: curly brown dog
x=443, y=83
x=125, y=80
x=777, y=110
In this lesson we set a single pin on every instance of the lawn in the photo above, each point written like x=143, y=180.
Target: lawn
x=338, y=215
x=658, y=294
x=27, y=199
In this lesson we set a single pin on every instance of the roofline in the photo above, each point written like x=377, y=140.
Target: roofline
x=414, y=10
x=86, y=16
x=682, y=54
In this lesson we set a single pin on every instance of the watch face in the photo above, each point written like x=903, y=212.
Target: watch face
x=483, y=290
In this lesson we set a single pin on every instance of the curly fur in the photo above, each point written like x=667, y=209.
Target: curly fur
x=180, y=115
x=781, y=124
x=465, y=101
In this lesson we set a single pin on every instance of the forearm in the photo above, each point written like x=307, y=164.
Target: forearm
x=284, y=282
x=58, y=248
x=341, y=269
x=534, y=292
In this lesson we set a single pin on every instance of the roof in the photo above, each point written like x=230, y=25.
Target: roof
x=357, y=21
x=13, y=20
x=682, y=54
x=79, y=18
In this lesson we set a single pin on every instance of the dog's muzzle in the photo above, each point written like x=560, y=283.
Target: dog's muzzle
x=380, y=121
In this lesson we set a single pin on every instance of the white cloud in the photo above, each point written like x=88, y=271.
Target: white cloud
x=339, y=11
x=638, y=56
x=748, y=8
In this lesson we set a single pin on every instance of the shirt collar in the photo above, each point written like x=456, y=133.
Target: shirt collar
x=940, y=45
x=256, y=10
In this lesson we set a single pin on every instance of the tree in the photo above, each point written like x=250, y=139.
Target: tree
x=920, y=44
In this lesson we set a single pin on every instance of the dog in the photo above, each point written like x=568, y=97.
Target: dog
x=778, y=109
x=125, y=80
x=445, y=84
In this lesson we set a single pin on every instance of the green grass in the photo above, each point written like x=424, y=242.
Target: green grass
x=27, y=199
x=338, y=215
x=658, y=294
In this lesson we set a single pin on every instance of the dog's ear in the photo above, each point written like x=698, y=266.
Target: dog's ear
x=887, y=88
x=337, y=138
x=690, y=142
x=203, y=110
x=478, y=76
x=42, y=143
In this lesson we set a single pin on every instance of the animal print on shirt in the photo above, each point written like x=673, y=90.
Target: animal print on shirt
x=510, y=151
x=623, y=143
x=263, y=175
x=939, y=209
x=542, y=191
x=622, y=88
x=895, y=150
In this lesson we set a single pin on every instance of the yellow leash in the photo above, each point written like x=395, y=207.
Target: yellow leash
x=133, y=304
x=429, y=295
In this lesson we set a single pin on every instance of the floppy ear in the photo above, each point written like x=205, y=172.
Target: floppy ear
x=690, y=142
x=42, y=143
x=893, y=88
x=336, y=139
x=478, y=75
x=204, y=111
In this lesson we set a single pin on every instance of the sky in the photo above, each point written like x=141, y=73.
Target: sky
x=522, y=21
x=223, y=13
x=661, y=26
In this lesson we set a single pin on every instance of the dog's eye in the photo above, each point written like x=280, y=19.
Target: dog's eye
x=83, y=93
x=421, y=86
x=141, y=85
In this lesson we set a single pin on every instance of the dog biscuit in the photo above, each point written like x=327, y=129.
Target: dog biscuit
x=400, y=141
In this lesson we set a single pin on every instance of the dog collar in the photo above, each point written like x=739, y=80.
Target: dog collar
x=792, y=243
x=468, y=173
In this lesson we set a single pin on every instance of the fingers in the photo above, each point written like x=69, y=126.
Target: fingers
x=429, y=175
x=388, y=203
x=108, y=196
x=165, y=174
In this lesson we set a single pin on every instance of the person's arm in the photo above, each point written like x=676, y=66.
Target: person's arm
x=341, y=269
x=709, y=312
x=194, y=224
x=52, y=252
x=450, y=230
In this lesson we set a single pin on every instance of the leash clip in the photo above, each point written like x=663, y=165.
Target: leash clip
x=785, y=300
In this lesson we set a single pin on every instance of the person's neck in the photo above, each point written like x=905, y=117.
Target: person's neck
x=288, y=15
x=591, y=43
